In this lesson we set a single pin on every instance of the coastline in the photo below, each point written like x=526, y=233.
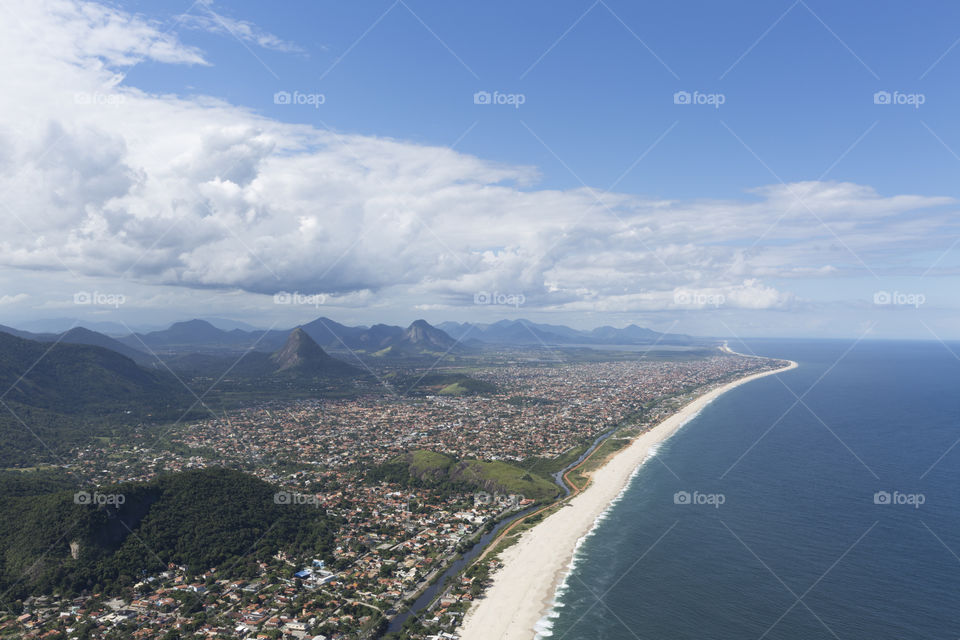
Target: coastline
x=524, y=588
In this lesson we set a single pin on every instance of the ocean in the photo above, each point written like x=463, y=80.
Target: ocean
x=834, y=516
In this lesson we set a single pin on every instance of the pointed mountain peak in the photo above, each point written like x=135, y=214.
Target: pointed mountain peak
x=299, y=351
x=299, y=334
x=420, y=330
x=420, y=325
x=422, y=333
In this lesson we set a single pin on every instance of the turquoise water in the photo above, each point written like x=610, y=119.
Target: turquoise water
x=799, y=547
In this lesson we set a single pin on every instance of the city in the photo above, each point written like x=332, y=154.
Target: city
x=394, y=538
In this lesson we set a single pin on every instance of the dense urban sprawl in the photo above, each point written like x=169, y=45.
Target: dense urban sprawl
x=394, y=539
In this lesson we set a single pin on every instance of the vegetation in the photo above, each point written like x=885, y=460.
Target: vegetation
x=61, y=395
x=549, y=466
x=55, y=541
x=436, y=470
x=450, y=384
x=74, y=379
x=580, y=476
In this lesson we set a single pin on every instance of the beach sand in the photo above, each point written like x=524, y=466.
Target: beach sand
x=522, y=591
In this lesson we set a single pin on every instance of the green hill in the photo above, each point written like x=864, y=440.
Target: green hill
x=61, y=395
x=73, y=378
x=432, y=469
x=200, y=519
x=451, y=384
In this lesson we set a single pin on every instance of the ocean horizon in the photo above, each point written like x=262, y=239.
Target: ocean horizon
x=817, y=503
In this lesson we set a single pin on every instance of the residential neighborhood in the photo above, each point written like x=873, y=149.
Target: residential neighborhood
x=393, y=539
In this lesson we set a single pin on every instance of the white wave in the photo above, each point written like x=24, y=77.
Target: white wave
x=544, y=626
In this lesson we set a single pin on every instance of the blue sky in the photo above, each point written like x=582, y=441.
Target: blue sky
x=798, y=79
x=178, y=181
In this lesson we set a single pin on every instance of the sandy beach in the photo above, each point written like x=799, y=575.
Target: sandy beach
x=523, y=589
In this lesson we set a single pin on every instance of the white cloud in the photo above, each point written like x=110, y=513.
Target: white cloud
x=247, y=32
x=14, y=299
x=201, y=194
x=81, y=33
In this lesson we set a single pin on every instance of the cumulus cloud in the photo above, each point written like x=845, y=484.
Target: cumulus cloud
x=198, y=193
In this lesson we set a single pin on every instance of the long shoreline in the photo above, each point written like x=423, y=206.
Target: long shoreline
x=524, y=588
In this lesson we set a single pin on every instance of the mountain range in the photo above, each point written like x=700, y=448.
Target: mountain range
x=177, y=343
x=72, y=386
x=299, y=356
x=58, y=394
x=524, y=332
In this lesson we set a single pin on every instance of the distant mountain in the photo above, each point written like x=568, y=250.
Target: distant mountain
x=379, y=336
x=81, y=335
x=551, y=329
x=333, y=335
x=419, y=340
x=227, y=324
x=380, y=340
x=421, y=334
x=514, y=332
x=330, y=333
x=190, y=332
x=59, y=325
x=629, y=335
x=457, y=330
x=524, y=332
x=202, y=336
x=301, y=355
